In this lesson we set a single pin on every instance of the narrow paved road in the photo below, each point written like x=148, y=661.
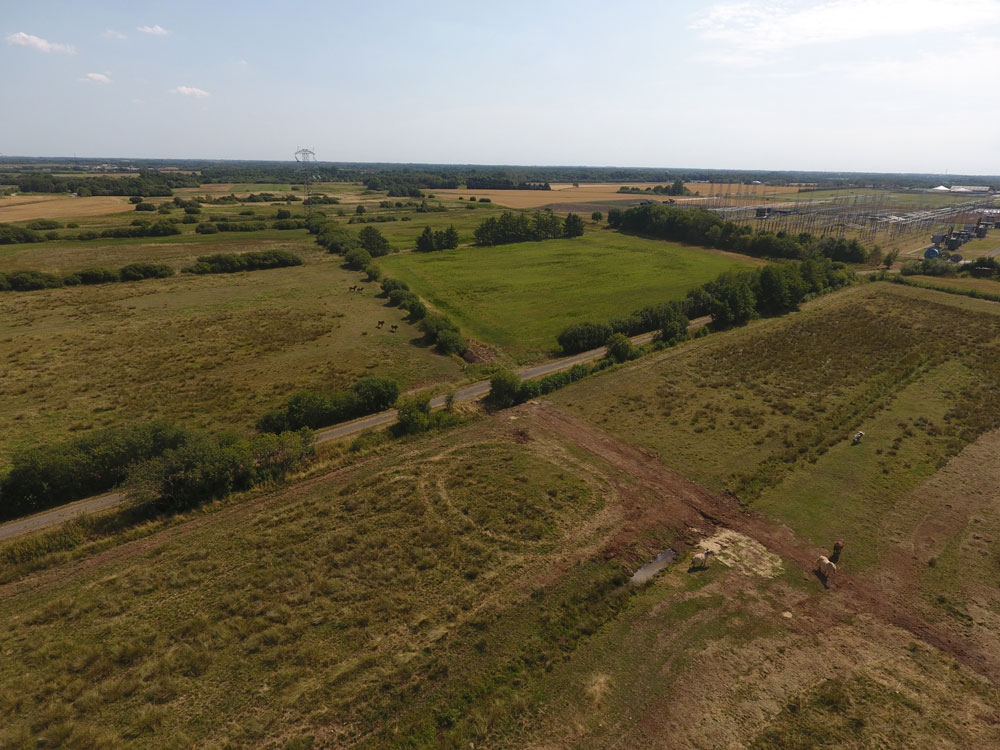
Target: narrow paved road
x=324, y=435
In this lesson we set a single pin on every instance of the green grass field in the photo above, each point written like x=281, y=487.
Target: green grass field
x=519, y=297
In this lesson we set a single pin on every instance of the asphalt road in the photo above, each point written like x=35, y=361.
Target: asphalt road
x=324, y=435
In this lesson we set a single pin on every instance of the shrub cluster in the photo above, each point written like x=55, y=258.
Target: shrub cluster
x=732, y=298
x=28, y=281
x=414, y=416
x=369, y=395
x=697, y=226
x=443, y=334
x=429, y=240
x=43, y=477
x=160, y=228
x=669, y=317
x=520, y=227
x=204, y=468
x=407, y=300
x=235, y=262
x=507, y=389
x=11, y=235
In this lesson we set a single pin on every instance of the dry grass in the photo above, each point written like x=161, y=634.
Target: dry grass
x=27, y=207
x=207, y=351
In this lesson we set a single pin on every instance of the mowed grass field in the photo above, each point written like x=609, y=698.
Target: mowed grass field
x=519, y=297
x=465, y=589
x=207, y=351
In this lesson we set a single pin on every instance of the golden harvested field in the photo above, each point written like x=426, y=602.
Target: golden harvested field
x=28, y=207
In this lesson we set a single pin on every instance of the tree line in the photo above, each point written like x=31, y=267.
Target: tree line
x=145, y=183
x=512, y=227
x=674, y=188
x=697, y=226
x=732, y=298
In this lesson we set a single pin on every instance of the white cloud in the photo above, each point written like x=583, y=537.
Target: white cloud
x=756, y=30
x=20, y=39
x=96, y=78
x=190, y=91
x=112, y=34
x=156, y=30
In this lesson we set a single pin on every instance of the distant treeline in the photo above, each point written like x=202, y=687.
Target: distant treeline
x=732, y=298
x=674, y=188
x=441, y=175
x=145, y=183
x=696, y=226
x=504, y=183
x=511, y=227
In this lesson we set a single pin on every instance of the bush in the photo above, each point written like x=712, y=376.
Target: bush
x=418, y=311
x=389, y=284
x=206, y=228
x=29, y=281
x=413, y=415
x=192, y=210
x=450, y=342
x=504, y=388
x=620, y=348
x=98, y=276
x=399, y=296
x=43, y=224
x=10, y=235
x=283, y=213
x=93, y=463
x=205, y=469
x=235, y=262
x=434, y=324
x=143, y=206
x=357, y=259
x=310, y=409
x=581, y=337
x=139, y=271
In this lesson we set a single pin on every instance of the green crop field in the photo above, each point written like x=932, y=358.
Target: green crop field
x=519, y=297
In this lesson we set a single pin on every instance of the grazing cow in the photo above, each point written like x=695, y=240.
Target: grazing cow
x=700, y=560
x=393, y=328
x=352, y=288
x=360, y=289
x=825, y=568
x=380, y=324
x=857, y=437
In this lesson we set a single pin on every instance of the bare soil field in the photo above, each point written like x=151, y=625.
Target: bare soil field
x=28, y=207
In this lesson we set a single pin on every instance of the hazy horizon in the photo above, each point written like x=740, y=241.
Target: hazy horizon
x=836, y=85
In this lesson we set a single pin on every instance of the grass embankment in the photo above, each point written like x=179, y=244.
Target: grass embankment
x=984, y=288
x=520, y=296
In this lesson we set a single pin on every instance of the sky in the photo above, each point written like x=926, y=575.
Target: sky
x=838, y=85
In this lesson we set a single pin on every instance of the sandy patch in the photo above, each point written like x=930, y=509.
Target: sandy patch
x=735, y=550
